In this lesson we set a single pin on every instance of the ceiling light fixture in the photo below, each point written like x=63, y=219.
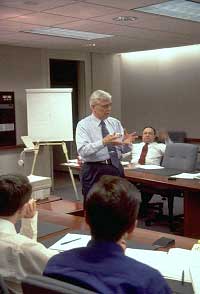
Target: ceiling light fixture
x=124, y=18
x=182, y=9
x=64, y=33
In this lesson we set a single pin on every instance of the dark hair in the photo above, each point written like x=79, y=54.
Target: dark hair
x=15, y=191
x=111, y=208
x=154, y=130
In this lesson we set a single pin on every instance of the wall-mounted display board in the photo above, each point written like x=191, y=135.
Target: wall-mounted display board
x=7, y=119
x=49, y=114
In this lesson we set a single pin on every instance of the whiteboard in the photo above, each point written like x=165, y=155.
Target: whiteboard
x=49, y=114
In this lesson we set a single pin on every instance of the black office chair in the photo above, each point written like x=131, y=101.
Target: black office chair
x=35, y=284
x=178, y=156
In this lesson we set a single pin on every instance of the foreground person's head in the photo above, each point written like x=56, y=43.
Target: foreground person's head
x=111, y=208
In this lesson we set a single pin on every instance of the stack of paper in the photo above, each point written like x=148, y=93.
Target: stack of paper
x=41, y=186
x=187, y=176
x=171, y=265
x=148, y=166
x=195, y=277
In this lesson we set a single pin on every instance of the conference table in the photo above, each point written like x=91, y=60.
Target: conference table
x=70, y=214
x=189, y=188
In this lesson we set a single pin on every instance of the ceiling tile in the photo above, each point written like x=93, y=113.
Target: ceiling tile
x=42, y=18
x=83, y=10
x=6, y=12
x=154, y=22
x=13, y=26
x=125, y=4
x=36, y=5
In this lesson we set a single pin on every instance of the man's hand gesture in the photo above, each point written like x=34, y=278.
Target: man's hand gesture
x=129, y=138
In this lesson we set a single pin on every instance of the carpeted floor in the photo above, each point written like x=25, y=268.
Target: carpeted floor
x=63, y=187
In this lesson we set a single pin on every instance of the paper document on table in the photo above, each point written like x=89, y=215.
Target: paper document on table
x=70, y=241
x=159, y=260
x=148, y=166
x=187, y=176
x=73, y=161
x=124, y=163
x=195, y=274
x=170, y=264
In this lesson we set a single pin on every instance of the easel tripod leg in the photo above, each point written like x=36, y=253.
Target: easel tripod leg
x=64, y=147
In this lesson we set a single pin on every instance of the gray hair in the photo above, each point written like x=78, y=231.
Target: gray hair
x=99, y=95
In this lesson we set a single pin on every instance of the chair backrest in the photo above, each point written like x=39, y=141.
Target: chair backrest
x=177, y=136
x=181, y=156
x=35, y=284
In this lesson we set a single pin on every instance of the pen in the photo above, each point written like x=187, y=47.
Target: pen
x=70, y=241
x=182, y=280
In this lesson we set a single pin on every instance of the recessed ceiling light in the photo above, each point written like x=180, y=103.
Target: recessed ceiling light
x=183, y=9
x=124, y=18
x=91, y=45
x=64, y=33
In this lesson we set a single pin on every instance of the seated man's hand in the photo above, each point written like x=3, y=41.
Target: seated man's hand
x=29, y=209
x=129, y=138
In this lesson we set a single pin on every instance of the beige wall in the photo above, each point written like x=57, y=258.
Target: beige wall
x=24, y=68
x=162, y=88
x=106, y=76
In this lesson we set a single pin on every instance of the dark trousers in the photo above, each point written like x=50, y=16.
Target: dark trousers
x=91, y=172
x=145, y=197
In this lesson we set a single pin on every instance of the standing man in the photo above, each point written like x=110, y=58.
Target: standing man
x=100, y=142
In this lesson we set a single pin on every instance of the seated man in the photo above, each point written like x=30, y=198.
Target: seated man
x=148, y=152
x=153, y=151
x=21, y=254
x=111, y=210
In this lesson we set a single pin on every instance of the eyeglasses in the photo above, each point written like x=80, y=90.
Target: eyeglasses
x=104, y=106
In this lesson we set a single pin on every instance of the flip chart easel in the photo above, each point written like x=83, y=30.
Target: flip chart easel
x=64, y=148
x=49, y=116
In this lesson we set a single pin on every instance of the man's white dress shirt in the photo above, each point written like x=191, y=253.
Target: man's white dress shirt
x=20, y=253
x=89, y=138
x=154, y=154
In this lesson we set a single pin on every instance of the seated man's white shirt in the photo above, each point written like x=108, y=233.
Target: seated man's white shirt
x=154, y=154
x=21, y=254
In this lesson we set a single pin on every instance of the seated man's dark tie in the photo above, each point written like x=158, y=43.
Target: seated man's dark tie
x=143, y=154
x=111, y=149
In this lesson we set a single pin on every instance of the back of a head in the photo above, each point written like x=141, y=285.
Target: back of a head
x=99, y=95
x=15, y=191
x=111, y=208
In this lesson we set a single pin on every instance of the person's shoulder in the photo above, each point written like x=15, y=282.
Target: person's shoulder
x=157, y=144
x=85, y=120
x=18, y=242
x=113, y=120
x=140, y=267
x=147, y=276
x=71, y=256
